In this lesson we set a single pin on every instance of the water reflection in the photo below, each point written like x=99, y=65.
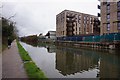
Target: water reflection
x=72, y=61
x=77, y=63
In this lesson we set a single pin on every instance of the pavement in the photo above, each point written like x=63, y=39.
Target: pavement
x=12, y=65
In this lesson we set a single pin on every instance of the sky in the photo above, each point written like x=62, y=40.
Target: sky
x=39, y=16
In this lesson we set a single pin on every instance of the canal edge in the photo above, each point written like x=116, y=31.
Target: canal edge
x=36, y=72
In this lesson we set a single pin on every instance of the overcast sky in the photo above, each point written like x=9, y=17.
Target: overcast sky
x=39, y=16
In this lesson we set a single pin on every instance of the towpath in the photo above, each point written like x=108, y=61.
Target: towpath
x=12, y=65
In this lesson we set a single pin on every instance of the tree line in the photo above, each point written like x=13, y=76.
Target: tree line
x=30, y=38
x=8, y=31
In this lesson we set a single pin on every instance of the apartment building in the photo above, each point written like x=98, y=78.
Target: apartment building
x=70, y=23
x=110, y=16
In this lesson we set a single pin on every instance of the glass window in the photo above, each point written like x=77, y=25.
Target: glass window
x=79, y=17
x=84, y=18
x=108, y=3
x=119, y=25
x=85, y=21
x=108, y=17
x=108, y=26
x=79, y=21
x=118, y=3
x=118, y=15
x=87, y=18
x=118, y=8
x=108, y=7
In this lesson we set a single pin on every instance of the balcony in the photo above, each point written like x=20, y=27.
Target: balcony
x=70, y=15
x=70, y=33
x=99, y=6
x=70, y=29
x=99, y=15
x=104, y=3
x=70, y=20
x=70, y=24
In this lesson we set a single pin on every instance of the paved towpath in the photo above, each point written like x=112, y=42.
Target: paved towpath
x=12, y=65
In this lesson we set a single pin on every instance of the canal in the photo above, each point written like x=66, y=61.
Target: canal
x=66, y=62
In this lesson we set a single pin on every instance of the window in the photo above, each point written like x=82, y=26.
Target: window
x=118, y=5
x=108, y=17
x=108, y=8
x=84, y=18
x=108, y=26
x=79, y=21
x=108, y=2
x=79, y=17
x=118, y=25
x=118, y=15
x=84, y=22
x=90, y=20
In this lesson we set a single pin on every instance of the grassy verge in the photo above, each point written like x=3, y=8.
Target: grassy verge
x=32, y=70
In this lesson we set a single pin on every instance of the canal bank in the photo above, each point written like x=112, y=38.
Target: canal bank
x=31, y=68
x=95, y=45
x=66, y=62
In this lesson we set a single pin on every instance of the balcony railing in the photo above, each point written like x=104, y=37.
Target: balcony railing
x=99, y=6
x=70, y=29
x=70, y=15
x=70, y=24
x=99, y=15
x=70, y=33
x=70, y=20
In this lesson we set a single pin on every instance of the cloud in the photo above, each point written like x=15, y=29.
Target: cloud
x=40, y=16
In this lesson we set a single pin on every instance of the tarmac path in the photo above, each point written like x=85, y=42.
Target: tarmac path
x=12, y=65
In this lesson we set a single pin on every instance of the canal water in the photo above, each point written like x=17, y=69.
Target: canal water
x=65, y=62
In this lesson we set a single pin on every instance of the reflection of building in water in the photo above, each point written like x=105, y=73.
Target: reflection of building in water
x=51, y=49
x=70, y=62
x=110, y=67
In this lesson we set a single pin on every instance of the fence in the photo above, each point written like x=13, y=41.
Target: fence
x=93, y=38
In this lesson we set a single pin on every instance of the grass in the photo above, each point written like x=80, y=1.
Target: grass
x=32, y=70
x=23, y=53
